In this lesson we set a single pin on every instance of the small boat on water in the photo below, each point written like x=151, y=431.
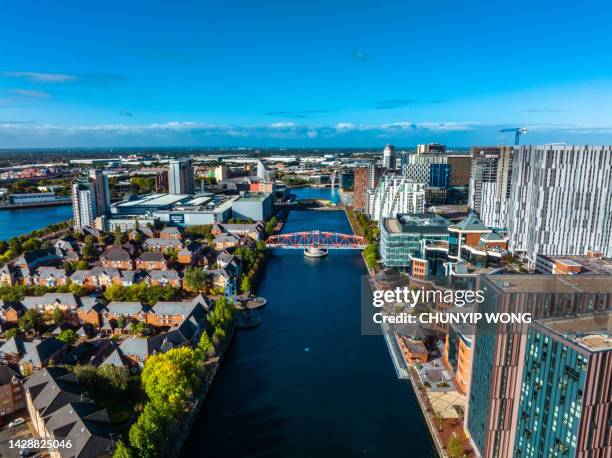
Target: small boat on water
x=315, y=252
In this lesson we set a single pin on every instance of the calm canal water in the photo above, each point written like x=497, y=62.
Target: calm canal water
x=23, y=221
x=305, y=383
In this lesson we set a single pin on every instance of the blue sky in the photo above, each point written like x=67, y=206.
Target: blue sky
x=303, y=73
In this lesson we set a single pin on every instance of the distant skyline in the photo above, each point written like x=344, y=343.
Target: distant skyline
x=303, y=74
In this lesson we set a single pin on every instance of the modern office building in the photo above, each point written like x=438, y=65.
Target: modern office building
x=565, y=403
x=499, y=355
x=365, y=178
x=389, y=161
x=428, y=245
x=397, y=194
x=490, y=180
x=403, y=238
x=90, y=198
x=181, y=177
x=560, y=200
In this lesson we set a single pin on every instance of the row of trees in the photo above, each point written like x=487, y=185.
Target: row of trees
x=171, y=381
x=18, y=292
x=368, y=228
x=142, y=292
x=370, y=253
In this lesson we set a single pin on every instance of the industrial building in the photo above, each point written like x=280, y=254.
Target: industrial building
x=252, y=206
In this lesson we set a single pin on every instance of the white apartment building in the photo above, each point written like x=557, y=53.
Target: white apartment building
x=561, y=200
x=90, y=198
x=397, y=194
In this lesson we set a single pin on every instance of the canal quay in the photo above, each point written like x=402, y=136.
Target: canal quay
x=305, y=382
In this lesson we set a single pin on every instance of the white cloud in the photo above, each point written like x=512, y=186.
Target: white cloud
x=30, y=93
x=42, y=77
x=282, y=125
x=20, y=134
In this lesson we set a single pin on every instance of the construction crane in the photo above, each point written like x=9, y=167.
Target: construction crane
x=518, y=131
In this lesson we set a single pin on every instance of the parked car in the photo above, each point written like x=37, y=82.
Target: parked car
x=17, y=422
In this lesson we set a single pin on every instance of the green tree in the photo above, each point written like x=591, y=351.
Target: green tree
x=116, y=377
x=114, y=293
x=78, y=289
x=122, y=450
x=13, y=332
x=31, y=320
x=271, y=225
x=81, y=265
x=139, y=327
x=204, y=344
x=68, y=336
x=170, y=378
x=121, y=322
x=89, y=251
x=148, y=435
x=58, y=315
x=261, y=246
x=194, y=279
x=454, y=446
x=245, y=284
x=31, y=244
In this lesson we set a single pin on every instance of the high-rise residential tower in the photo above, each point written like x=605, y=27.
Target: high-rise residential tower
x=389, y=161
x=365, y=178
x=181, y=178
x=560, y=200
x=90, y=198
x=490, y=184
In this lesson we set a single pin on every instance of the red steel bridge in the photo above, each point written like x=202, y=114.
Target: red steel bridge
x=319, y=239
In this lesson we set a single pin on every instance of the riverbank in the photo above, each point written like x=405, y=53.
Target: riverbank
x=211, y=372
